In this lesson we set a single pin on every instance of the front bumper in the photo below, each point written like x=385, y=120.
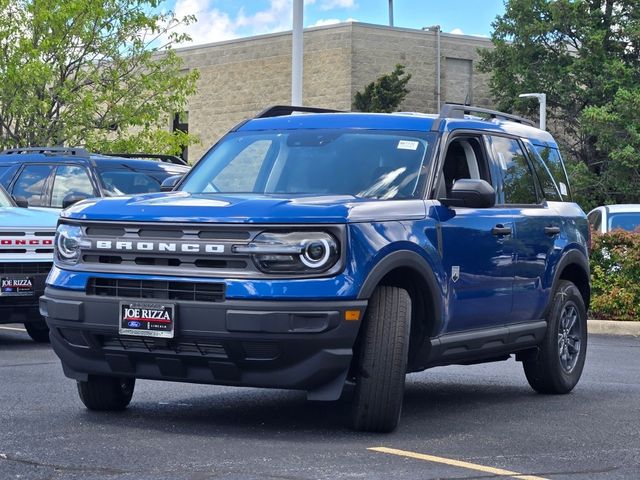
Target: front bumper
x=304, y=345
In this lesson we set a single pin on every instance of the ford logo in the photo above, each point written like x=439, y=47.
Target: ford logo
x=134, y=324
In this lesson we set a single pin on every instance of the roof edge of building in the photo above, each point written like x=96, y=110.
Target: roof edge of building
x=324, y=27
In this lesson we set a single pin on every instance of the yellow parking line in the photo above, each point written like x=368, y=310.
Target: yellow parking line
x=13, y=328
x=455, y=463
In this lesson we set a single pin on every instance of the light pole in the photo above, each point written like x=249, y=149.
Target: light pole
x=542, y=100
x=437, y=30
x=297, y=49
x=391, y=13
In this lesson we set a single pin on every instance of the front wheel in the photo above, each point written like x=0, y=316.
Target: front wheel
x=38, y=331
x=382, y=362
x=106, y=393
x=557, y=364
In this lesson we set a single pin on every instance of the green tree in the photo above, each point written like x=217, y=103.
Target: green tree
x=97, y=73
x=385, y=94
x=583, y=54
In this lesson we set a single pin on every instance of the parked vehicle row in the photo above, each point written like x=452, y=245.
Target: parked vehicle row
x=47, y=179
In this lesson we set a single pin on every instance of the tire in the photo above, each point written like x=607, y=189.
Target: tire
x=556, y=366
x=382, y=361
x=38, y=331
x=106, y=393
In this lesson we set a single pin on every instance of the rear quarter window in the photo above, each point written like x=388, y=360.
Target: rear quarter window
x=553, y=161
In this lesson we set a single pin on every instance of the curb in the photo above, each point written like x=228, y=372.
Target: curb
x=612, y=327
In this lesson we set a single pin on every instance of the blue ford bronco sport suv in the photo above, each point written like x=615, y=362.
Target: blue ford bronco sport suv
x=310, y=249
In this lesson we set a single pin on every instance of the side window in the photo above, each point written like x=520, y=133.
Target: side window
x=70, y=180
x=553, y=161
x=465, y=158
x=547, y=183
x=241, y=173
x=595, y=219
x=517, y=185
x=31, y=183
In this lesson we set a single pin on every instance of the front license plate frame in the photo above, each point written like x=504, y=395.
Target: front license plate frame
x=20, y=286
x=147, y=319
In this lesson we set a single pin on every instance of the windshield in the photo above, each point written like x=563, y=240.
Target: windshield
x=362, y=163
x=627, y=221
x=131, y=182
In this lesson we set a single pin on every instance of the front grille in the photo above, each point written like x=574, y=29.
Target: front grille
x=25, y=268
x=156, y=289
x=163, y=250
x=139, y=344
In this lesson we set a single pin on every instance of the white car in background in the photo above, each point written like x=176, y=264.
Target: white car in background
x=26, y=256
x=610, y=217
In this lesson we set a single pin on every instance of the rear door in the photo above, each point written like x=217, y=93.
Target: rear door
x=536, y=225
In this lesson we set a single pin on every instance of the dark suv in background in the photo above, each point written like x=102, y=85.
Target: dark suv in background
x=55, y=177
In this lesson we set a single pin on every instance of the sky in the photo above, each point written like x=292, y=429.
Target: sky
x=227, y=19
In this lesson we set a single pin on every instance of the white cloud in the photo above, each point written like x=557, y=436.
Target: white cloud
x=458, y=31
x=213, y=25
x=331, y=4
x=331, y=21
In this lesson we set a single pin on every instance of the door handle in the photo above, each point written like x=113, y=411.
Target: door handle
x=551, y=230
x=501, y=230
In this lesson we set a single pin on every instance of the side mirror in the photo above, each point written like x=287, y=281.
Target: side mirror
x=170, y=183
x=72, y=198
x=472, y=193
x=21, y=201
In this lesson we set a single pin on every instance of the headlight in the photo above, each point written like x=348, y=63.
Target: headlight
x=296, y=252
x=67, y=244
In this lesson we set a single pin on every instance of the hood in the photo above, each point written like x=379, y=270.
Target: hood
x=17, y=217
x=184, y=207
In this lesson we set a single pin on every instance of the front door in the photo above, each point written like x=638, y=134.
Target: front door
x=477, y=245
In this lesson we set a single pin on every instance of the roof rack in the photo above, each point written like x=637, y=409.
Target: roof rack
x=174, y=159
x=79, y=152
x=282, y=110
x=454, y=110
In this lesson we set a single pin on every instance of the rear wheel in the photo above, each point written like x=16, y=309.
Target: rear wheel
x=557, y=364
x=106, y=393
x=382, y=361
x=38, y=331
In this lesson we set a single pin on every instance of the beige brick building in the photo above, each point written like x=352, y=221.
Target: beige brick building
x=238, y=78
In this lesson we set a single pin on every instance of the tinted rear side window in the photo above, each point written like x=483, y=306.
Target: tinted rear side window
x=517, y=186
x=31, y=184
x=553, y=161
x=627, y=221
x=547, y=183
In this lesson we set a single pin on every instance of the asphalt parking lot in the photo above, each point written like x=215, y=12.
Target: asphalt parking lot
x=458, y=422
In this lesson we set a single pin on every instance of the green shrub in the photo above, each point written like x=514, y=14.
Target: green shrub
x=615, y=276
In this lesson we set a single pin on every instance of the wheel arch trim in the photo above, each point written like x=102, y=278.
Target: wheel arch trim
x=405, y=259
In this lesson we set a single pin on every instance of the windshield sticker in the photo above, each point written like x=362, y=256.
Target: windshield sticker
x=563, y=189
x=408, y=145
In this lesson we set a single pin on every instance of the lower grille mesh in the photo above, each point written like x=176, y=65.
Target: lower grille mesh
x=157, y=290
x=208, y=349
x=25, y=267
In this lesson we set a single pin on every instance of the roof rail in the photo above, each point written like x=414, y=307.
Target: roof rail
x=80, y=152
x=153, y=156
x=282, y=110
x=454, y=110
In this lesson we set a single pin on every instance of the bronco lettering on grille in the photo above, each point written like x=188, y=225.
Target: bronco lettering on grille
x=14, y=242
x=123, y=245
